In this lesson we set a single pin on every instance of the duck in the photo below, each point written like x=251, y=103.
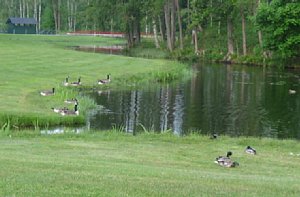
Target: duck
x=70, y=112
x=59, y=110
x=229, y=164
x=222, y=159
x=48, y=92
x=71, y=101
x=226, y=161
x=104, y=81
x=214, y=136
x=76, y=83
x=66, y=83
x=250, y=150
x=292, y=91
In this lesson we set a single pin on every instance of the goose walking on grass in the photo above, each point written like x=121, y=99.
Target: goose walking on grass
x=74, y=112
x=76, y=83
x=250, y=150
x=104, y=81
x=47, y=92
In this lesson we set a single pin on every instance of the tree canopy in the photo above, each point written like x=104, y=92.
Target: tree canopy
x=220, y=29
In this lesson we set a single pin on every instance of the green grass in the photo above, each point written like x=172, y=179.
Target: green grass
x=117, y=164
x=31, y=63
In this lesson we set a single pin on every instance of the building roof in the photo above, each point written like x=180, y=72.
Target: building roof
x=27, y=21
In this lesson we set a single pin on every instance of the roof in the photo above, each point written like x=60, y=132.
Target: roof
x=27, y=21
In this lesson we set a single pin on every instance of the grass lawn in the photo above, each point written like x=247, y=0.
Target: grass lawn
x=116, y=164
x=31, y=63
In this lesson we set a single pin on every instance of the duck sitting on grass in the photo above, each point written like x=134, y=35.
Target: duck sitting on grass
x=74, y=112
x=250, y=150
x=226, y=161
x=104, y=81
x=48, y=92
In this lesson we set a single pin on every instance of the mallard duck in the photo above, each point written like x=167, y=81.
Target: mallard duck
x=71, y=101
x=66, y=83
x=59, y=110
x=250, y=150
x=292, y=91
x=223, y=158
x=47, y=92
x=76, y=83
x=229, y=164
x=70, y=112
x=214, y=136
x=104, y=81
x=226, y=161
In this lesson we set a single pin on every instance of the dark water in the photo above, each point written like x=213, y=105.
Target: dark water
x=116, y=49
x=223, y=99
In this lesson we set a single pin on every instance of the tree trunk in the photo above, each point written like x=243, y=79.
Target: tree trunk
x=162, y=28
x=54, y=5
x=173, y=24
x=155, y=34
x=244, y=32
x=74, y=17
x=40, y=14
x=195, y=41
x=179, y=24
x=259, y=33
x=35, y=15
x=230, y=43
x=168, y=25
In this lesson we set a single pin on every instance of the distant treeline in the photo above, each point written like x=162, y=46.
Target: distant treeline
x=228, y=30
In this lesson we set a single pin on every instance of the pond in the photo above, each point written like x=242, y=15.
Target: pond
x=223, y=99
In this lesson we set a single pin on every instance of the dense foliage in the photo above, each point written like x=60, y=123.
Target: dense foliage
x=227, y=30
x=281, y=22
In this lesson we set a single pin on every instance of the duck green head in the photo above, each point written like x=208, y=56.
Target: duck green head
x=229, y=153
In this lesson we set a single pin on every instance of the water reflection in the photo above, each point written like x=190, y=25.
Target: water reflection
x=233, y=100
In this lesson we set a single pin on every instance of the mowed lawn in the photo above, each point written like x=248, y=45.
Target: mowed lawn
x=116, y=164
x=31, y=63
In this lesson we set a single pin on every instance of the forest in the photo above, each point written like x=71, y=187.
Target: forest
x=243, y=31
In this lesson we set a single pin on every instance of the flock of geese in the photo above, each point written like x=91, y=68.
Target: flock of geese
x=66, y=111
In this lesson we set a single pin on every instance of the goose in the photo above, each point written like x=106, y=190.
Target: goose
x=71, y=101
x=47, y=92
x=70, y=112
x=76, y=83
x=59, y=110
x=66, y=83
x=250, y=150
x=104, y=81
x=292, y=91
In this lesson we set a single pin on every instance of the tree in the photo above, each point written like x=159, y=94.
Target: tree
x=281, y=26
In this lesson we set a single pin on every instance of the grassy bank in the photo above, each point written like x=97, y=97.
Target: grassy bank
x=31, y=63
x=116, y=164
